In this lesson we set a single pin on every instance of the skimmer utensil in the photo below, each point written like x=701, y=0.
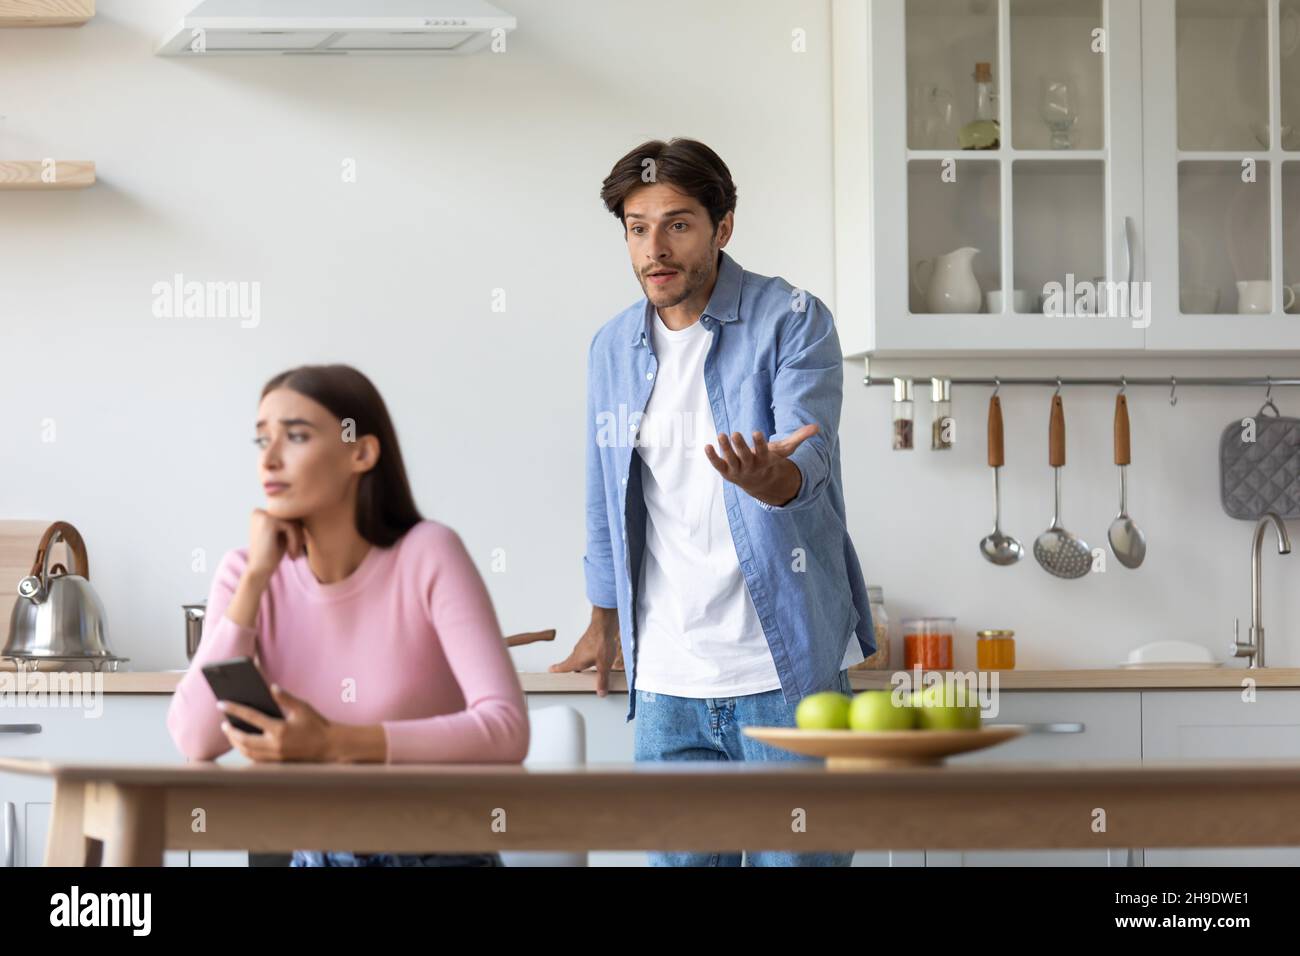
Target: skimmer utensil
x=1057, y=550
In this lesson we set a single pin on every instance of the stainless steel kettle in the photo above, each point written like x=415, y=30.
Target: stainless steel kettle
x=58, y=616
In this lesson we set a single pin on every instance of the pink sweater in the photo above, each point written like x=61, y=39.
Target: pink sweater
x=409, y=640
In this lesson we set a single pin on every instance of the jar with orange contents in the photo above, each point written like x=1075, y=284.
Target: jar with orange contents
x=927, y=643
x=995, y=650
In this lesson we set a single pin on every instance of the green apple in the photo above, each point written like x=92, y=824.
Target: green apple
x=876, y=710
x=934, y=713
x=944, y=717
x=828, y=710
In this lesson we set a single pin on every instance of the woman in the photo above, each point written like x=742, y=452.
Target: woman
x=373, y=623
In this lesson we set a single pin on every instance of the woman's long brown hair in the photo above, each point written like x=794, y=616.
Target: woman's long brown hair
x=385, y=506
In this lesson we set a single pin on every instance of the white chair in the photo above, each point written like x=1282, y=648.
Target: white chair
x=558, y=734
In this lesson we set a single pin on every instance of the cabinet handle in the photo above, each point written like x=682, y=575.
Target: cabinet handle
x=20, y=728
x=1055, y=727
x=11, y=832
x=1129, y=242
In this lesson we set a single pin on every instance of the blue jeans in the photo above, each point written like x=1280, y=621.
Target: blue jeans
x=709, y=728
x=342, y=858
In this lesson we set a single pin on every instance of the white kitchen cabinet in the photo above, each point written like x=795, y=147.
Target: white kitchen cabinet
x=1097, y=725
x=1220, y=725
x=121, y=727
x=1224, y=186
x=906, y=192
x=1173, y=99
x=22, y=803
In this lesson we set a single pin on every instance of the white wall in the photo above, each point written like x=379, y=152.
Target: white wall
x=476, y=174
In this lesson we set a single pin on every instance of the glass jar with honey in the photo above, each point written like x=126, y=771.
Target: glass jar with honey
x=927, y=643
x=995, y=650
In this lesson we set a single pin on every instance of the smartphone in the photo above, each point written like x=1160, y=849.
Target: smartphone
x=239, y=680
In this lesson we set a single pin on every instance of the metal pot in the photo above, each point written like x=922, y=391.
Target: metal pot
x=58, y=617
x=194, y=614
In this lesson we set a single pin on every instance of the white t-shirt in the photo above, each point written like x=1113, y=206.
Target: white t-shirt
x=698, y=631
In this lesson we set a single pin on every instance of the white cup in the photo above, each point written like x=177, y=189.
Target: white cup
x=1019, y=300
x=1255, y=297
x=1295, y=297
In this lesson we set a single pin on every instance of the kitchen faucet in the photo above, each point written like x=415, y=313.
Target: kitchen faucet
x=1254, y=648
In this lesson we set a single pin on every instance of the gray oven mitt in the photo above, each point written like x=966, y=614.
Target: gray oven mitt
x=1263, y=475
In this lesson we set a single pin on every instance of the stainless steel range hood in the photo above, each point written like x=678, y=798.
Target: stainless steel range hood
x=336, y=27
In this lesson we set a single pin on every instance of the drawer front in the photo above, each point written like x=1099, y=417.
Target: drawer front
x=1095, y=725
x=1220, y=725
x=1110, y=728
x=118, y=727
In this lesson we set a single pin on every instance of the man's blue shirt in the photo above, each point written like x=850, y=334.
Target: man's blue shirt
x=773, y=366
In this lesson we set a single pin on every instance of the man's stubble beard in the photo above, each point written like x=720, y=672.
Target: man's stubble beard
x=697, y=276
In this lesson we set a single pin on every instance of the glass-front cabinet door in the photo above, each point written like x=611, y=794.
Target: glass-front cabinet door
x=1222, y=92
x=989, y=164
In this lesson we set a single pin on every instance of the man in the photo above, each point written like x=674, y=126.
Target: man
x=729, y=567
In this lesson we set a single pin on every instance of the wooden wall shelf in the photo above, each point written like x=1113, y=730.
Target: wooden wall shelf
x=26, y=173
x=45, y=13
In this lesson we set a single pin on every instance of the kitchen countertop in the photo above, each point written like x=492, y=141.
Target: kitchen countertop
x=1079, y=678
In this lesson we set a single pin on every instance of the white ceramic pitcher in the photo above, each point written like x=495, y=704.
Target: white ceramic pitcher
x=948, y=282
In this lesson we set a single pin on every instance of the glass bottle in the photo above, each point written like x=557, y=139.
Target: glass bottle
x=983, y=132
x=942, y=429
x=879, y=661
x=903, y=414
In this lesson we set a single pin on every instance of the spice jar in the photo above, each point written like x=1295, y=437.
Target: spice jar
x=942, y=429
x=879, y=661
x=995, y=650
x=903, y=414
x=927, y=643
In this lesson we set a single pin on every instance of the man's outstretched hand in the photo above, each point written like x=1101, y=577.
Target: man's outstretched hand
x=763, y=471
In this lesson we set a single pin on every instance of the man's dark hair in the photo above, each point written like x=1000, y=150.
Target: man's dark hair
x=685, y=163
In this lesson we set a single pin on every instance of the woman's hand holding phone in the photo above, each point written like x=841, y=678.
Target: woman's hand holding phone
x=303, y=734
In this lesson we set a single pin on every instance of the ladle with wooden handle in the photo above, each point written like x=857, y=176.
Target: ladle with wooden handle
x=1126, y=538
x=997, y=547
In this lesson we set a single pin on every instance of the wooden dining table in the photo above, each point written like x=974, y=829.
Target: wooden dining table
x=127, y=814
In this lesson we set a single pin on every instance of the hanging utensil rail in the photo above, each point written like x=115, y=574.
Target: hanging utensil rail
x=1172, y=382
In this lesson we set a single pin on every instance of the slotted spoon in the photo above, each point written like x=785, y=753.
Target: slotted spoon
x=1057, y=550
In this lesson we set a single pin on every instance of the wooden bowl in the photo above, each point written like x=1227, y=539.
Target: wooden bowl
x=867, y=749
